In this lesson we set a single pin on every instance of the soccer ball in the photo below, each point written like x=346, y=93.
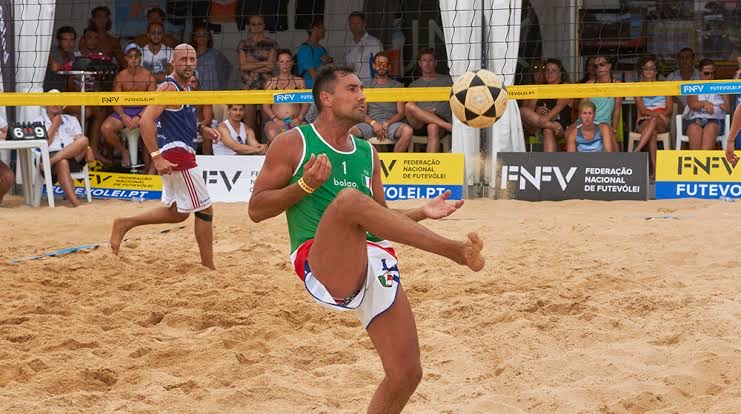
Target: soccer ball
x=478, y=99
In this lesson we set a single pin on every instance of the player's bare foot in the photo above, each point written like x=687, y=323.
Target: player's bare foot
x=120, y=227
x=472, y=252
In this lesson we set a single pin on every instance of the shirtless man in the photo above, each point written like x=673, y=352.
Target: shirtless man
x=283, y=116
x=134, y=78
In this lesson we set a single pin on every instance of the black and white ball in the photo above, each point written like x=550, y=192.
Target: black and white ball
x=478, y=99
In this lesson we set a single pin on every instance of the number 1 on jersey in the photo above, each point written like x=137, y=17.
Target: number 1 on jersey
x=344, y=167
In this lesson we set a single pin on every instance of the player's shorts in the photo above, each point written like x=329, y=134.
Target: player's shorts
x=186, y=189
x=367, y=130
x=374, y=297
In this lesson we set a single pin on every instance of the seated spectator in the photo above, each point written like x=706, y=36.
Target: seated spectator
x=588, y=137
x=257, y=54
x=100, y=22
x=156, y=56
x=734, y=137
x=61, y=58
x=706, y=113
x=157, y=15
x=384, y=119
x=654, y=113
x=551, y=116
x=6, y=174
x=311, y=55
x=68, y=148
x=205, y=116
x=434, y=117
x=134, y=78
x=686, y=71
x=235, y=137
x=279, y=118
x=590, y=71
x=213, y=67
x=608, y=109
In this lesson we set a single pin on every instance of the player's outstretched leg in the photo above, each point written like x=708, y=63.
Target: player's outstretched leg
x=158, y=215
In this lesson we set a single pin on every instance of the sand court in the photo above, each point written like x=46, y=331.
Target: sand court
x=583, y=307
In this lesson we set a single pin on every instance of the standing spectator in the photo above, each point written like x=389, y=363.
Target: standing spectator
x=384, y=119
x=61, y=57
x=552, y=116
x=100, y=21
x=586, y=136
x=68, y=147
x=213, y=67
x=654, y=113
x=686, y=71
x=6, y=174
x=364, y=47
x=257, y=54
x=607, y=109
x=156, y=56
x=706, y=113
x=134, y=78
x=279, y=118
x=311, y=55
x=205, y=116
x=235, y=137
x=157, y=15
x=435, y=117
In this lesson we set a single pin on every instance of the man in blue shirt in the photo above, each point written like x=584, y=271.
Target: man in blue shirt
x=312, y=55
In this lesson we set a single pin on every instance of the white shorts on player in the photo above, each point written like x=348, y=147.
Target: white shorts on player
x=186, y=189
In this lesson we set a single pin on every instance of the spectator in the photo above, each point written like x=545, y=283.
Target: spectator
x=552, y=116
x=134, y=78
x=311, y=55
x=237, y=143
x=607, y=109
x=734, y=137
x=435, y=117
x=686, y=71
x=61, y=58
x=586, y=137
x=654, y=113
x=364, y=47
x=706, y=113
x=279, y=118
x=6, y=174
x=257, y=54
x=156, y=56
x=205, y=116
x=100, y=22
x=213, y=67
x=68, y=148
x=384, y=119
x=157, y=15
x=590, y=71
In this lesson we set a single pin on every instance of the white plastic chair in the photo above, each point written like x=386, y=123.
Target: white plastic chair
x=683, y=138
x=422, y=139
x=132, y=138
x=665, y=138
x=38, y=180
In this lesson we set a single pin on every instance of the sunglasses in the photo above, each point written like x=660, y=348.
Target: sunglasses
x=708, y=73
x=383, y=64
x=600, y=65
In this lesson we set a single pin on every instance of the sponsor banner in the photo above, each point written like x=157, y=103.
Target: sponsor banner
x=411, y=192
x=230, y=178
x=294, y=97
x=711, y=88
x=111, y=193
x=536, y=176
x=696, y=174
x=414, y=175
x=115, y=185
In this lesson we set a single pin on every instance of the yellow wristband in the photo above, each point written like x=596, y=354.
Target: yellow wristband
x=155, y=154
x=304, y=186
x=373, y=122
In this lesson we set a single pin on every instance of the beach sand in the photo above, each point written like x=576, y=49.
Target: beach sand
x=583, y=307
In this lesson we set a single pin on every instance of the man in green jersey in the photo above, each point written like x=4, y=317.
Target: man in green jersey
x=329, y=184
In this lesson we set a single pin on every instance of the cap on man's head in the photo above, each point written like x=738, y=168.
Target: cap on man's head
x=53, y=91
x=132, y=46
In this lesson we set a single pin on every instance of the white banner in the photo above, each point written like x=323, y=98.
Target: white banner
x=230, y=178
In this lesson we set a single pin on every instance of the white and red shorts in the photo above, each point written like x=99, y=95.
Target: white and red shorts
x=186, y=189
x=374, y=297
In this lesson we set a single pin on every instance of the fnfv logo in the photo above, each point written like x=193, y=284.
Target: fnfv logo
x=214, y=177
x=692, y=89
x=537, y=177
x=693, y=165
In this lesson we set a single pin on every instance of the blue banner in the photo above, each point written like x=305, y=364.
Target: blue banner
x=412, y=192
x=111, y=193
x=707, y=190
x=720, y=88
x=293, y=97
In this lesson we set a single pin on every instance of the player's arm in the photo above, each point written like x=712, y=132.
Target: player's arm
x=272, y=195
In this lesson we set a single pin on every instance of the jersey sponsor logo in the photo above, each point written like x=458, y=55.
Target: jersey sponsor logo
x=345, y=183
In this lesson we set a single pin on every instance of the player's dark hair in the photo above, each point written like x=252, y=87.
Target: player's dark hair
x=326, y=80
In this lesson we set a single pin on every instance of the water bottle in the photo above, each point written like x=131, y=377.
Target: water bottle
x=727, y=199
x=287, y=122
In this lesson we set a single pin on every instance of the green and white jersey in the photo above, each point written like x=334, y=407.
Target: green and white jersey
x=351, y=169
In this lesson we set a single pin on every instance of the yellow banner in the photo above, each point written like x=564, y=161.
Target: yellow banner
x=701, y=166
x=420, y=169
x=123, y=181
